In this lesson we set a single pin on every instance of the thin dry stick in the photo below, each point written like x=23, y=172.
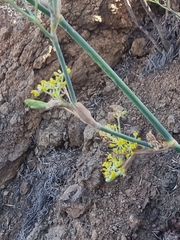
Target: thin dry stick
x=168, y=5
x=129, y=8
x=158, y=26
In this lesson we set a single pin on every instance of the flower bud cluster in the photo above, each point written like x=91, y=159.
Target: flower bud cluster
x=53, y=87
x=121, y=150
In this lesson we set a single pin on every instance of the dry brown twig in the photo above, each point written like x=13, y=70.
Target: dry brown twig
x=129, y=8
x=158, y=26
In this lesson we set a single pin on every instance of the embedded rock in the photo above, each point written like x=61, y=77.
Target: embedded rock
x=74, y=201
x=139, y=47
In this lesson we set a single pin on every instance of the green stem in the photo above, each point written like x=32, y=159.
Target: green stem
x=27, y=8
x=31, y=18
x=54, y=41
x=40, y=7
x=36, y=8
x=54, y=20
x=119, y=124
x=118, y=134
x=64, y=69
x=166, y=8
x=105, y=67
x=115, y=78
x=177, y=147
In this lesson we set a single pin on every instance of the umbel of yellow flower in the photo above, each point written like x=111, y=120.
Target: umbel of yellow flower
x=121, y=151
x=53, y=87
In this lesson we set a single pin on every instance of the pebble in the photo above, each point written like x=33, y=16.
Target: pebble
x=24, y=188
x=123, y=237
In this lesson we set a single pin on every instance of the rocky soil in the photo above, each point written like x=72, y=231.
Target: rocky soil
x=50, y=163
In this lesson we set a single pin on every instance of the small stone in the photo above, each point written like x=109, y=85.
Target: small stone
x=5, y=193
x=4, y=108
x=116, y=108
x=13, y=120
x=134, y=221
x=168, y=236
x=74, y=201
x=138, y=48
x=176, y=129
x=110, y=87
x=89, y=134
x=5, y=33
x=129, y=192
x=86, y=34
x=94, y=235
x=115, y=228
x=24, y=188
x=123, y=237
x=111, y=118
x=75, y=132
x=169, y=181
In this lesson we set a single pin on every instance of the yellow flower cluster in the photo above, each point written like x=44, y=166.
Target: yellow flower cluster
x=52, y=87
x=121, y=151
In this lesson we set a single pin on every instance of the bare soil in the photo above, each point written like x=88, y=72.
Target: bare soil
x=62, y=194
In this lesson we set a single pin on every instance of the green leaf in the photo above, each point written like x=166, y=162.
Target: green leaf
x=35, y=104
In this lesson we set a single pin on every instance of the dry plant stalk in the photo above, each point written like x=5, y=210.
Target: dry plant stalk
x=158, y=26
x=129, y=8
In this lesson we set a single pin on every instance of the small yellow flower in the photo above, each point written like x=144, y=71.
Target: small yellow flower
x=122, y=150
x=121, y=141
x=115, y=150
x=52, y=81
x=113, y=175
x=43, y=82
x=35, y=93
x=56, y=74
x=128, y=155
x=135, y=134
x=44, y=89
x=109, y=156
x=62, y=84
x=58, y=78
x=68, y=70
x=53, y=94
x=117, y=164
x=111, y=145
x=39, y=87
x=105, y=165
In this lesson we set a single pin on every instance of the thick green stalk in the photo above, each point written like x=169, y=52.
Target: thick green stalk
x=36, y=8
x=63, y=66
x=40, y=7
x=128, y=138
x=115, y=78
x=177, y=147
x=55, y=15
x=54, y=40
x=105, y=67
